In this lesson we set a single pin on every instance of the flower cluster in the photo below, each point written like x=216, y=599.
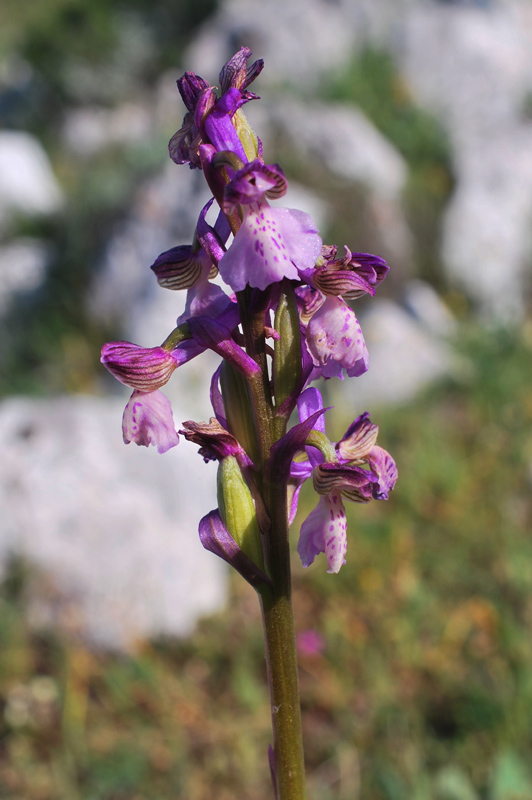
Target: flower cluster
x=276, y=269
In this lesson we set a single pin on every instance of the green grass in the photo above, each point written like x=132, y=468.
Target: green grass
x=424, y=688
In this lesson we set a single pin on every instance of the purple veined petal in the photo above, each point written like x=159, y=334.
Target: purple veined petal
x=212, y=334
x=215, y=537
x=217, y=400
x=269, y=246
x=355, y=483
x=383, y=465
x=181, y=267
x=324, y=531
x=342, y=282
x=190, y=87
x=142, y=368
x=358, y=439
x=335, y=339
x=236, y=72
x=148, y=420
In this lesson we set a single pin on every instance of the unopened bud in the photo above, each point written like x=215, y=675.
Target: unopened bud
x=237, y=405
x=287, y=349
x=238, y=510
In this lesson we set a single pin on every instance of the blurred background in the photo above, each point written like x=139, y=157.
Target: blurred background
x=131, y=663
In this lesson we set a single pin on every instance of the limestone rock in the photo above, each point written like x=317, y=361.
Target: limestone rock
x=113, y=528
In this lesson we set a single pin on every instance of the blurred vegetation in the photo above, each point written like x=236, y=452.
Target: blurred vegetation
x=423, y=689
x=56, y=56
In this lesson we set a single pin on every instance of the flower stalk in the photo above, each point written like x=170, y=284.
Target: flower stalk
x=284, y=324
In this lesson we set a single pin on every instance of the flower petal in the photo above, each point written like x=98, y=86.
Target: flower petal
x=335, y=340
x=324, y=531
x=383, y=465
x=269, y=246
x=148, y=420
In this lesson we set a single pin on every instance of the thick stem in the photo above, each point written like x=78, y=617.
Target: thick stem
x=276, y=599
x=281, y=656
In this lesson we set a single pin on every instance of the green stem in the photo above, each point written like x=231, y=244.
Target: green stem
x=281, y=655
x=276, y=599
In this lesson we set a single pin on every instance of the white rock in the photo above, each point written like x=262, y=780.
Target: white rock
x=22, y=268
x=88, y=130
x=404, y=357
x=27, y=183
x=477, y=86
x=113, y=528
x=344, y=141
x=426, y=306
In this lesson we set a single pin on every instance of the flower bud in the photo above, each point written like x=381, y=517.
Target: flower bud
x=287, y=349
x=237, y=404
x=237, y=510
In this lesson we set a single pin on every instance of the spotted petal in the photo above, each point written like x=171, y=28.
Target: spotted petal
x=269, y=246
x=148, y=420
x=324, y=531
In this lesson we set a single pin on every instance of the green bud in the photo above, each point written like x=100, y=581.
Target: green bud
x=238, y=409
x=238, y=510
x=287, y=349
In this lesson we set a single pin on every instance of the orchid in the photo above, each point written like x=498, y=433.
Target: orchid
x=354, y=469
x=282, y=322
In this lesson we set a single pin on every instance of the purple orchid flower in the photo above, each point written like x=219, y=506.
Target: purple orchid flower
x=272, y=243
x=212, y=120
x=324, y=530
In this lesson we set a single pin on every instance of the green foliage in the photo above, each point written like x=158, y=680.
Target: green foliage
x=424, y=688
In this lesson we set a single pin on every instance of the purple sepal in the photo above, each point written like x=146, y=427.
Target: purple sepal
x=283, y=451
x=237, y=74
x=210, y=333
x=372, y=269
x=356, y=483
x=215, y=537
x=383, y=465
x=148, y=420
x=142, y=368
x=190, y=87
x=358, y=439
